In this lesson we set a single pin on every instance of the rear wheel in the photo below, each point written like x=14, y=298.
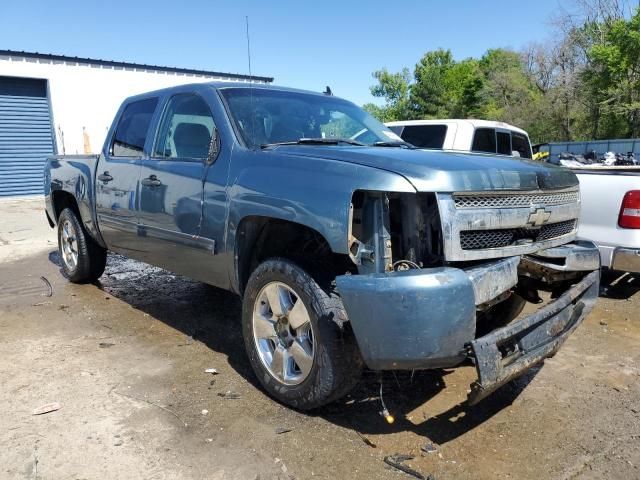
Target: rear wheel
x=297, y=337
x=83, y=260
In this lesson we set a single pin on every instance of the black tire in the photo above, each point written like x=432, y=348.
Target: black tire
x=91, y=257
x=337, y=363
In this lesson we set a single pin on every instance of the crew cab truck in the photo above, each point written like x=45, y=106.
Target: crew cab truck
x=347, y=254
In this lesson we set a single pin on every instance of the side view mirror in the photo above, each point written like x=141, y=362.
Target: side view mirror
x=214, y=146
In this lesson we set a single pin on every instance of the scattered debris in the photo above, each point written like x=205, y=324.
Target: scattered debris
x=49, y=407
x=209, y=440
x=603, y=323
x=396, y=461
x=49, y=287
x=230, y=395
x=366, y=440
x=429, y=448
x=281, y=430
x=283, y=467
x=212, y=382
x=106, y=326
x=40, y=304
x=63, y=307
x=385, y=412
x=205, y=411
x=105, y=344
x=212, y=371
x=152, y=403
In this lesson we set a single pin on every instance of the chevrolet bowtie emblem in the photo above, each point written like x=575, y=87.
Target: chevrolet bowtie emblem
x=539, y=217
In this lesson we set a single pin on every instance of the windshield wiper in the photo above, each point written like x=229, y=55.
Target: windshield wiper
x=394, y=144
x=314, y=141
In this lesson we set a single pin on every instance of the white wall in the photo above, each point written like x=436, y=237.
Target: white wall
x=88, y=96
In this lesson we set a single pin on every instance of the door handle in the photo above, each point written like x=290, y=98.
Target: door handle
x=105, y=177
x=151, y=181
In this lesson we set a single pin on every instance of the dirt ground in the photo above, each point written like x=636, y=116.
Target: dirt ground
x=126, y=361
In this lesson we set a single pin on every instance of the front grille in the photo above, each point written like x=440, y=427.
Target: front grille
x=514, y=200
x=481, y=239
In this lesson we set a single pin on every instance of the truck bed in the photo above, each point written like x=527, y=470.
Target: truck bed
x=602, y=190
x=73, y=175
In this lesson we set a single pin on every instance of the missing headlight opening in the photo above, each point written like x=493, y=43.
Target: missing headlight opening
x=394, y=231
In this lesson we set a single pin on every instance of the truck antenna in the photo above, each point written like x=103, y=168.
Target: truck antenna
x=246, y=19
x=253, y=113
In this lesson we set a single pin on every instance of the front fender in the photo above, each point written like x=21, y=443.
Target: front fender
x=313, y=192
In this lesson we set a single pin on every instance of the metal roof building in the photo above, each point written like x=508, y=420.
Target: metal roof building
x=55, y=104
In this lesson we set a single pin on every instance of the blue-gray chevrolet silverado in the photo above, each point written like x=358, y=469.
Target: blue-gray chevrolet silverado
x=350, y=248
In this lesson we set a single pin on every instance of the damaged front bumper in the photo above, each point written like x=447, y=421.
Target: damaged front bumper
x=508, y=352
x=426, y=318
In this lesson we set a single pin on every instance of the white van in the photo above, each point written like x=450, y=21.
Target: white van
x=466, y=135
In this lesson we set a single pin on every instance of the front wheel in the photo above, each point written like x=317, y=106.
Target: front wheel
x=83, y=260
x=297, y=337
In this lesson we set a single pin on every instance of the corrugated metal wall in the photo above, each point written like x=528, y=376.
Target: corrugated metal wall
x=26, y=138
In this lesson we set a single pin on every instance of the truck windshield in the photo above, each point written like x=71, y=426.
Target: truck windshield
x=266, y=117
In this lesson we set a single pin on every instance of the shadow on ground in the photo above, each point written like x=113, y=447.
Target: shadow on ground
x=619, y=285
x=211, y=316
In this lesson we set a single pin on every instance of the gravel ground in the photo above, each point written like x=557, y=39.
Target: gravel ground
x=126, y=361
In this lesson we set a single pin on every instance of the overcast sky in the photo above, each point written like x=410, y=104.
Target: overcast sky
x=302, y=44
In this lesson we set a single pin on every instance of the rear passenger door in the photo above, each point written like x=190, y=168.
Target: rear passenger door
x=171, y=186
x=118, y=175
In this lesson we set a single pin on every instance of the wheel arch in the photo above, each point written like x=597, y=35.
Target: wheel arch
x=60, y=200
x=259, y=238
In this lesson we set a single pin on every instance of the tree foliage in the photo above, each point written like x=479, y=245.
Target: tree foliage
x=584, y=84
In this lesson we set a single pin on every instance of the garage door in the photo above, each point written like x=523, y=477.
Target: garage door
x=25, y=135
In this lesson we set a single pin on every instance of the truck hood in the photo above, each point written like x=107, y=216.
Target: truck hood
x=440, y=171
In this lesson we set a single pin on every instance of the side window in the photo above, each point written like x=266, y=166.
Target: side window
x=520, y=144
x=484, y=140
x=131, y=132
x=185, y=129
x=504, y=143
x=425, y=136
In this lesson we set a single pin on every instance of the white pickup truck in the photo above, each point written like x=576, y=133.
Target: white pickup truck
x=469, y=135
x=610, y=214
x=610, y=196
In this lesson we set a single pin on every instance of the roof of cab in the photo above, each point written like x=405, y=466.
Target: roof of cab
x=220, y=86
x=473, y=122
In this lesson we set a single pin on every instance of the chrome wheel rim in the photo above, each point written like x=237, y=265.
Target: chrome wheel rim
x=283, y=334
x=69, y=244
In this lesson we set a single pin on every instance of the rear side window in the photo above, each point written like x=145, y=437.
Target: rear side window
x=504, y=143
x=425, y=136
x=132, y=129
x=484, y=140
x=520, y=144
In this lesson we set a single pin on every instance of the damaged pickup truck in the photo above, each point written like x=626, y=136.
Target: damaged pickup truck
x=347, y=253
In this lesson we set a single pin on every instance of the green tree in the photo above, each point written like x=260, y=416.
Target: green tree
x=394, y=88
x=614, y=76
x=583, y=84
x=428, y=93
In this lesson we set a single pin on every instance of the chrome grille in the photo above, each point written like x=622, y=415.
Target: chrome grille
x=481, y=239
x=514, y=200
